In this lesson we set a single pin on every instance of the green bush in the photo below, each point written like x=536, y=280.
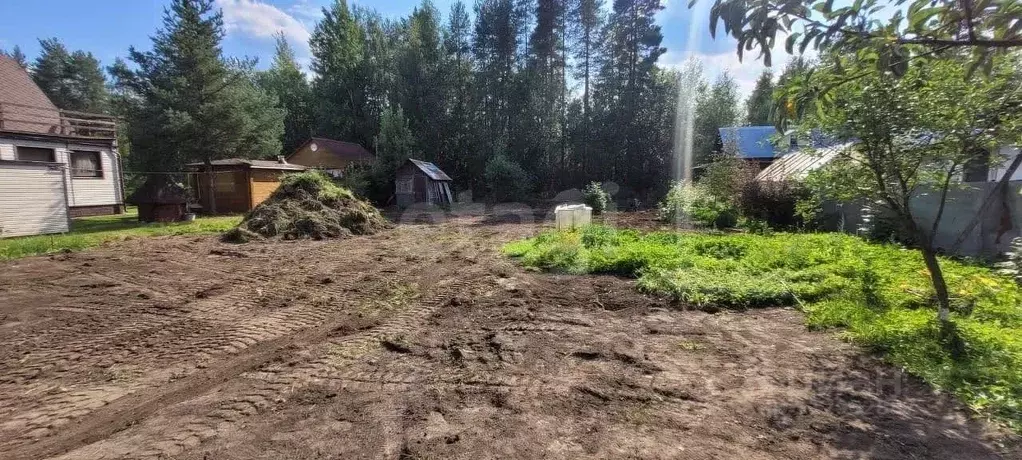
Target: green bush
x=880, y=293
x=773, y=203
x=506, y=180
x=595, y=197
x=694, y=202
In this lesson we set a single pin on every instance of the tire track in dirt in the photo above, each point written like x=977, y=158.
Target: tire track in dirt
x=182, y=341
x=131, y=409
x=259, y=390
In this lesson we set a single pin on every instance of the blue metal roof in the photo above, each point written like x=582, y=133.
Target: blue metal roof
x=753, y=141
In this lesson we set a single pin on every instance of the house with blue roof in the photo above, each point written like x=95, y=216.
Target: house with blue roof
x=754, y=143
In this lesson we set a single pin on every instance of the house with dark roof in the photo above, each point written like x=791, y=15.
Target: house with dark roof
x=54, y=164
x=420, y=181
x=238, y=184
x=331, y=156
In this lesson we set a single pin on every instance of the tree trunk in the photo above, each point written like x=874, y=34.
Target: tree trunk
x=939, y=285
x=932, y=266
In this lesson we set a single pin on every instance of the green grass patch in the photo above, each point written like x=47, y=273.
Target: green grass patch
x=88, y=232
x=880, y=294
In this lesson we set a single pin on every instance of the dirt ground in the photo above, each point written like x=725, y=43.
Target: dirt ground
x=424, y=342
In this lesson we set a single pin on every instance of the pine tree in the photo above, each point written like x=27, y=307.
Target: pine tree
x=394, y=145
x=50, y=71
x=499, y=29
x=286, y=81
x=540, y=144
x=17, y=55
x=759, y=106
x=419, y=85
x=626, y=74
x=457, y=75
x=587, y=22
x=190, y=104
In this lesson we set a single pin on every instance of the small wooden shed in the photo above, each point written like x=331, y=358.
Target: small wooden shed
x=160, y=199
x=420, y=181
x=239, y=184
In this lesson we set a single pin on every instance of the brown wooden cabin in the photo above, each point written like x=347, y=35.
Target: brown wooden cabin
x=333, y=157
x=239, y=185
x=422, y=182
x=160, y=199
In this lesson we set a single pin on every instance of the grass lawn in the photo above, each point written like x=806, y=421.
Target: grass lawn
x=87, y=232
x=878, y=295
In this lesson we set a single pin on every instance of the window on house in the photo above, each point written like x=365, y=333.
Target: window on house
x=36, y=154
x=86, y=164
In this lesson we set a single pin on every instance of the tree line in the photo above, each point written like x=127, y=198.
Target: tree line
x=513, y=98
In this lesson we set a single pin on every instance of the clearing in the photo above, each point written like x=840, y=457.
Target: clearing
x=425, y=342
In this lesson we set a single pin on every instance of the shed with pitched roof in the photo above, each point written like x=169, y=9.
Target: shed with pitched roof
x=420, y=181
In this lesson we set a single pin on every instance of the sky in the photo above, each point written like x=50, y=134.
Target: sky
x=107, y=28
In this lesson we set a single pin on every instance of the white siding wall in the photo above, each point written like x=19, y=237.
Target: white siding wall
x=1009, y=154
x=95, y=191
x=81, y=191
x=31, y=200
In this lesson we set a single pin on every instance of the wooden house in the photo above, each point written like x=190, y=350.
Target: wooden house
x=422, y=182
x=54, y=164
x=333, y=157
x=239, y=184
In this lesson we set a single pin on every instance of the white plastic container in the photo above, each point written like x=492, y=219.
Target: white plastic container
x=571, y=216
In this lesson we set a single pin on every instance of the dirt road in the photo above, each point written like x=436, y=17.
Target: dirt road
x=423, y=342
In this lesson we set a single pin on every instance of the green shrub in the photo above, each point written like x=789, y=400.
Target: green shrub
x=506, y=180
x=773, y=203
x=595, y=197
x=880, y=293
x=693, y=202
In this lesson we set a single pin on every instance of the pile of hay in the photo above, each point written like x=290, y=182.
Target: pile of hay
x=308, y=205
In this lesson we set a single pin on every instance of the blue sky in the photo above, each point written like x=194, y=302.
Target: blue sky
x=108, y=27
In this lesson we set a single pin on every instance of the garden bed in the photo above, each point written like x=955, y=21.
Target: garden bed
x=879, y=294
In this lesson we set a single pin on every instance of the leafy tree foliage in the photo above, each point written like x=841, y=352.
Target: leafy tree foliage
x=923, y=29
x=915, y=134
x=716, y=108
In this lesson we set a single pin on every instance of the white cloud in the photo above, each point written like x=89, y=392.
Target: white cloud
x=745, y=72
x=306, y=11
x=257, y=19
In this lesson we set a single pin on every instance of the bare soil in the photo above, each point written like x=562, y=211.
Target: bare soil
x=424, y=342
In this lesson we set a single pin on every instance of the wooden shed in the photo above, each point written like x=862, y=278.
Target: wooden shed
x=422, y=182
x=333, y=157
x=160, y=199
x=239, y=184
